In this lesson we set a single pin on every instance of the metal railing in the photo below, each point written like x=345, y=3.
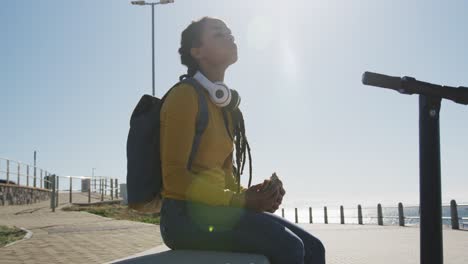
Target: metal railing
x=464, y=222
x=23, y=174
x=80, y=189
x=380, y=215
x=83, y=189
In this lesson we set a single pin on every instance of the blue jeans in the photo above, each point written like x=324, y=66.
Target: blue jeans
x=189, y=225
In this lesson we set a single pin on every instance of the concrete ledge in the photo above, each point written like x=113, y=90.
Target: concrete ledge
x=163, y=254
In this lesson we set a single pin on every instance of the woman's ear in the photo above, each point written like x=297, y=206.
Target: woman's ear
x=195, y=52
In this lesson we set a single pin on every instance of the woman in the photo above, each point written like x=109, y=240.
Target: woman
x=205, y=208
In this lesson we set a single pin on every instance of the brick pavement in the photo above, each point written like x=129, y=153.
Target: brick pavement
x=79, y=237
x=370, y=244
x=73, y=237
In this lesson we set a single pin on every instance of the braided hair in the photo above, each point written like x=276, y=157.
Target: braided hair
x=241, y=143
x=191, y=37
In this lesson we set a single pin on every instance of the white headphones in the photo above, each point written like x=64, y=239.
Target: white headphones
x=219, y=93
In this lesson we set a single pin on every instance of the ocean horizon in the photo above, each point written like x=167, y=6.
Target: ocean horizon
x=369, y=214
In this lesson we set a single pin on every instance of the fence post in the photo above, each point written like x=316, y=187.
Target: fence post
x=19, y=174
x=117, y=188
x=282, y=212
x=57, y=183
x=71, y=182
x=102, y=189
x=8, y=171
x=454, y=215
x=295, y=210
x=401, y=216
x=359, y=212
x=112, y=188
x=105, y=186
x=379, y=214
x=52, y=198
x=27, y=175
x=89, y=192
x=325, y=215
x=342, y=214
x=310, y=215
x=35, y=175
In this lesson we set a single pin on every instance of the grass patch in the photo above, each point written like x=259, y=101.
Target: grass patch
x=116, y=211
x=10, y=234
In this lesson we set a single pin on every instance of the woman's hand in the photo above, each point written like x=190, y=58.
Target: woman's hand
x=260, y=201
x=278, y=202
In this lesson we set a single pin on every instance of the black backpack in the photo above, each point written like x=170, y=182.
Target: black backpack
x=144, y=175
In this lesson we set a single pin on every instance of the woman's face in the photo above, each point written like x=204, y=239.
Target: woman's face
x=217, y=45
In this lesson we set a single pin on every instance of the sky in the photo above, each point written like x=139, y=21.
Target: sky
x=71, y=73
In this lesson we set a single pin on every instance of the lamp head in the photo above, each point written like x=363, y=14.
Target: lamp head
x=138, y=3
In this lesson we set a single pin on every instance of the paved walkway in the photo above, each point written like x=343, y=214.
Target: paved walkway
x=73, y=237
x=79, y=237
x=354, y=244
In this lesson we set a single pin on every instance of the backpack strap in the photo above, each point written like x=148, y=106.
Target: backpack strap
x=202, y=119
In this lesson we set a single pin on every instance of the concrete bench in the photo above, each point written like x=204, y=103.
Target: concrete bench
x=163, y=254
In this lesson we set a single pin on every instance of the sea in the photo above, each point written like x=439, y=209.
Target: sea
x=369, y=214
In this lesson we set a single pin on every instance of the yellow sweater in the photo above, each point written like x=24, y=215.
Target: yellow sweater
x=211, y=180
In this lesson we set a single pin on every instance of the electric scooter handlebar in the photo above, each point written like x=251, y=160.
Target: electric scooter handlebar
x=409, y=85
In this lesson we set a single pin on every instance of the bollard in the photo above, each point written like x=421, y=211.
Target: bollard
x=454, y=215
x=117, y=188
x=310, y=215
x=282, y=212
x=325, y=215
x=359, y=212
x=71, y=189
x=295, y=210
x=401, y=216
x=379, y=214
x=52, y=198
x=342, y=214
x=112, y=189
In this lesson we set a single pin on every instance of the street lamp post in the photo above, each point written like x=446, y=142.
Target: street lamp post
x=152, y=20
